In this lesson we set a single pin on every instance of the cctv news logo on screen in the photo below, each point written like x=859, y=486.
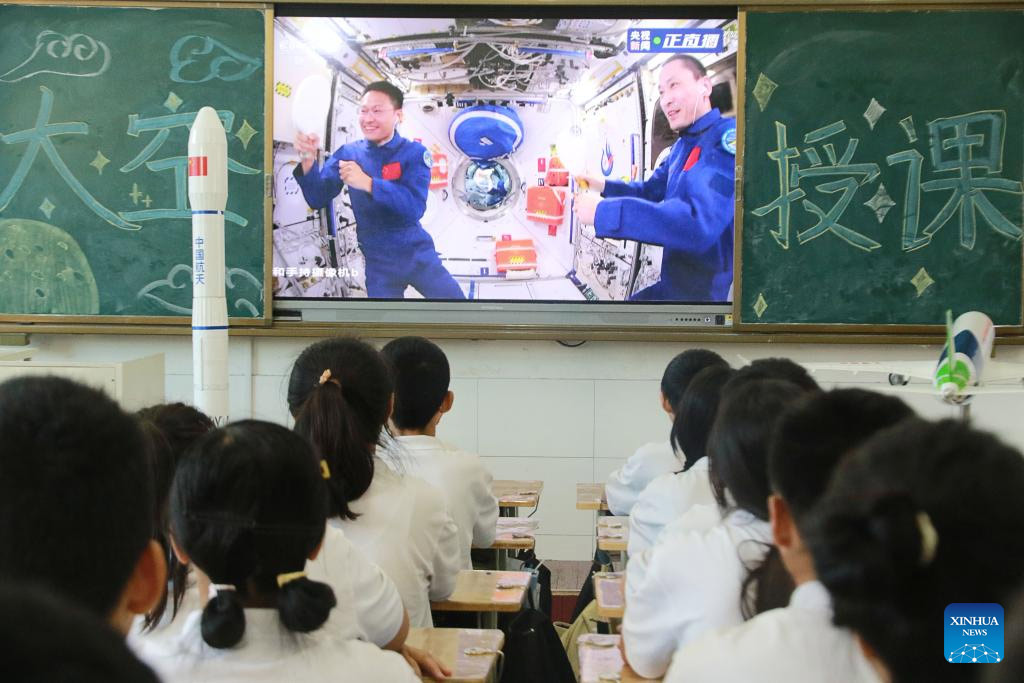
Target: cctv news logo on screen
x=973, y=633
x=675, y=40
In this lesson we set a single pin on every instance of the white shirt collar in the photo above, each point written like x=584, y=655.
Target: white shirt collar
x=699, y=466
x=811, y=595
x=419, y=441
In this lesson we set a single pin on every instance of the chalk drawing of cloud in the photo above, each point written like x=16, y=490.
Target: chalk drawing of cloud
x=55, y=53
x=197, y=59
x=169, y=284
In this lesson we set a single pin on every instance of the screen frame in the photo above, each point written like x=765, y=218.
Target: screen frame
x=543, y=317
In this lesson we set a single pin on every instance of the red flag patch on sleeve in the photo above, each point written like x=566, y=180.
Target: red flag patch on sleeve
x=691, y=160
x=392, y=171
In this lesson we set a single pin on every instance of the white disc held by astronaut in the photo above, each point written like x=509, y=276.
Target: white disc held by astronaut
x=571, y=150
x=310, y=106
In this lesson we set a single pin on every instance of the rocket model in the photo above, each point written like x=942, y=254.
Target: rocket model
x=208, y=195
x=968, y=346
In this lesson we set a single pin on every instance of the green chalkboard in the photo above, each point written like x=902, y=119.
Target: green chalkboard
x=882, y=167
x=95, y=109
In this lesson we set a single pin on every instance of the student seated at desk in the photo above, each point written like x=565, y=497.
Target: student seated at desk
x=694, y=580
x=655, y=459
x=920, y=514
x=376, y=615
x=340, y=393
x=679, y=501
x=798, y=642
x=44, y=639
x=76, y=499
x=422, y=396
x=249, y=508
x=670, y=496
x=172, y=428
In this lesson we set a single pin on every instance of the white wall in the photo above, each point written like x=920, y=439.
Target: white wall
x=533, y=409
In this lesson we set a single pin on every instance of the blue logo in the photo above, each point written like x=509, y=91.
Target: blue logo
x=973, y=633
x=675, y=40
x=607, y=160
x=729, y=141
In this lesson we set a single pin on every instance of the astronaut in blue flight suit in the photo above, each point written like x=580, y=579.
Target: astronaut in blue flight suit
x=388, y=178
x=686, y=206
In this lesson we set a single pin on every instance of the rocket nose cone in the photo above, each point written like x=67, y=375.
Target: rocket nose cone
x=206, y=125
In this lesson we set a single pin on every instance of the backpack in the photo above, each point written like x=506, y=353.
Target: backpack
x=539, y=595
x=533, y=651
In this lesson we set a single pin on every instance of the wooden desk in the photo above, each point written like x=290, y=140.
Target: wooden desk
x=613, y=533
x=478, y=590
x=449, y=645
x=610, y=593
x=515, y=533
x=512, y=494
x=590, y=497
x=600, y=655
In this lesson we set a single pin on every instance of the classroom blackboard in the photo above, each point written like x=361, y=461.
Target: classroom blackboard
x=882, y=167
x=95, y=109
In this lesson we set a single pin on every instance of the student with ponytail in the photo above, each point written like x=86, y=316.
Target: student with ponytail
x=923, y=515
x=248, y=508
x=691, y=581
x=341, y=394
x=376, y=613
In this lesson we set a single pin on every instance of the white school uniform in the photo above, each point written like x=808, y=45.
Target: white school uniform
x=796, y=644
x=465, y=483
x=648, y=462
x=369, y=607
x=169, y=627
x=686, y=586
x=665, y=500
x=367, y=598
x=270, y=653
x=404, y=527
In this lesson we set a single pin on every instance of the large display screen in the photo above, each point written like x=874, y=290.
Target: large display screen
x=529, y=159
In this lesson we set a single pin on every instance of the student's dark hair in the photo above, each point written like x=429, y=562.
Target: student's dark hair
x=44, y=639
x=338, y=393
x=173, y=428
x=692, y=64
x=1011, y=669
x=421, y=375
x=738, y=452
x=76, y=490
x=922, y=515
x=774, y=368
x=695, y=413
x=248, y=504
x=181, y=424
x=814, y=435
x=395, y=94
x=681, y=370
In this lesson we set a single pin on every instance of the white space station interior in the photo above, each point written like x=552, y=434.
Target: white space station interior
x=564, y=96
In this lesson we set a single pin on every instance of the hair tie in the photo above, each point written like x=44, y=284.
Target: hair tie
x=282, y=579
x=216, y=588
x=325, y=377
x=929, y=538
x=325, y=471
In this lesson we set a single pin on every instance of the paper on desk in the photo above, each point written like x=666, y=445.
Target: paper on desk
x=517, y=525
x=599, y=655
